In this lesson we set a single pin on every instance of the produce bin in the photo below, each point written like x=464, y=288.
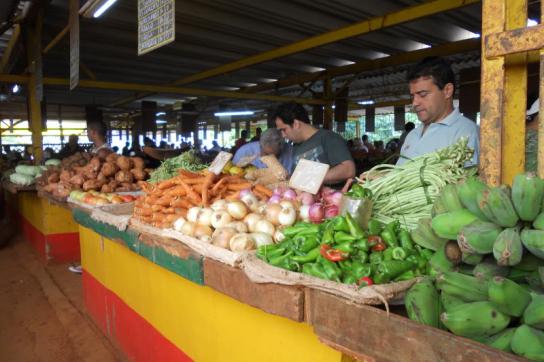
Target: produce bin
x=48, y=227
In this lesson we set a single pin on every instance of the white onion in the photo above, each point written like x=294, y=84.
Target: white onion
x=287, y=216
x=278, y=236
x=178, y=224
x=241, y=242
x=220, y=219
x=251, y=221
x=239, y=226
x=205, y=238
x=222, y=236
x=192, y=213
x=272, y=212
x=251, y=201
x=202, y=230
x=188, y=228
x=261, y=238
x=265, y=226
x=219, y=205
x=304, y=212
x=237, y=209
x=287, y=204
x=205, y=216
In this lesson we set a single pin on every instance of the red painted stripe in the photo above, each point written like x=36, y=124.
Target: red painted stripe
x=58, y=248
x=136, y=337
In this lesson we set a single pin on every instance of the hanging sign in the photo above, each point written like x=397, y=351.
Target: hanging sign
x=74, y=43
x=156, y=24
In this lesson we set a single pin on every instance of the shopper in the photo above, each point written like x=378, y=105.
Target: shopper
x=126, y=150
x=315, y=144
x=408, y=127
x=240, y=141
x=71, y=147
x=258, y=133
x=271, y=143
x=96, y=132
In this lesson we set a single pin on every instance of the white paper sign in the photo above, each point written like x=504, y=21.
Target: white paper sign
x=308, y=176
x=219, y=162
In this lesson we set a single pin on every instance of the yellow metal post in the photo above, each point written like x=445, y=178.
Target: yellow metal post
x=9, y=49
x=541, y=110
x=515, y=99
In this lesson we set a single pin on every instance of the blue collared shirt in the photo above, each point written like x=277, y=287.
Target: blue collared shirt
x=254, y=149
x=440, y=135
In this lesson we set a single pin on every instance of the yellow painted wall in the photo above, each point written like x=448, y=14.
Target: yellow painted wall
x=45, y=216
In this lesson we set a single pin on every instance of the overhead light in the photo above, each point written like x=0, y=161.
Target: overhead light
x=160, y=114
x=161, y=121
x=102, y=9
x=474, y=35
x=15, y=88
x=233, y=113
x=366, y=103
x=531, y=22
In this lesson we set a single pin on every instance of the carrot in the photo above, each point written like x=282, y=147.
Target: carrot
x=179, y=202
x=207, y=183
x=175, y=192
x=233, y=196
x=260, y=195
x=168, y=210
x=164, y=201
x=218, y=184
x=264, y=190
x=171, y=217
x=188, y=174
x=195, y=181
x=166, y=184
x=156, y=208
x=181, y=212
x=238, y=187
x=191, y=194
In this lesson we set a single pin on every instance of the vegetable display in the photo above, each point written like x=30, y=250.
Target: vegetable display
x=339, y=250
x=489, y=281
x=407, y=192
x=105, y=172
x=169, y=168
x=96, y=198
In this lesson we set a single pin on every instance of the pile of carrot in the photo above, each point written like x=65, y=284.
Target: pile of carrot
x=166, y=201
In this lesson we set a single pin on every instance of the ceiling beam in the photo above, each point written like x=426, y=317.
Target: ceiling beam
x=11, y=45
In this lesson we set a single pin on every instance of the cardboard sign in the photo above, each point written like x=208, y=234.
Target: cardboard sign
x=156, y=24
x=308, y=176
x=219, y=162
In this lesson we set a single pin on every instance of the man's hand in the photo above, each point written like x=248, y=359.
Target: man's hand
x=340, y=173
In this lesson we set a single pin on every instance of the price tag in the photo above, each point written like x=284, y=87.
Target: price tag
x=308, y=176
x=219, y=162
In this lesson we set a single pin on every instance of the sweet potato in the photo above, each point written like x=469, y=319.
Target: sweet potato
x=106, y=188
x=124, y=176
x=138, y=162
x=112, y=157
x=53, y=178
x=103, y=153
x=138, y=173
x=95, y=164
x=91, y=185
x=77, y=180
x=109, y=168
x=124, y=163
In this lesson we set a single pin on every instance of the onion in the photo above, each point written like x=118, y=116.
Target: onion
x=306, y=198
x=205, y=238
x=188, y=228
x=288, y=204
x=202, y=230
x=237, y=209
x=192, y=214
x=289, y=194
x=274, y=199
x=316, y=213
x=219, y=205
x=262, y=208
x=250, y=200
x=239, y=226
x=261, y=239
x=287, y=216
x=335, y=198
x=220, y=219
x=245, y=192
x=304, y=212
x=222, y=236
x=205, y=216
x=272, y=212
x=241, y=242
x=178, y=224
x=331, y=211
x=264, y=226
x=278, y=236
x=251, y=221
x=278, y=191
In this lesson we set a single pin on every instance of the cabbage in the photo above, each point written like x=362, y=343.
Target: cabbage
x=52, y=162
x=28, y=170
x=21, y=179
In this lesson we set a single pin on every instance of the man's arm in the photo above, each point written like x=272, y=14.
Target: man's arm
x=340, y=172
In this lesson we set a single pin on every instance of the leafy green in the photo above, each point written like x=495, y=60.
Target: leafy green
x=169, y=168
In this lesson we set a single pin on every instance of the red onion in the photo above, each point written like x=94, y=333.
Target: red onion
x=316, y=213
x=274, y=199
x=245, y=192
x=306, y=198
x=278, y=191
x=336, y=198
x=289, y=194
x=331, y=211
x=325, y=191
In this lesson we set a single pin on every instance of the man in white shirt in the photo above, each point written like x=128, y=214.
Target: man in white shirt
x=96, y=133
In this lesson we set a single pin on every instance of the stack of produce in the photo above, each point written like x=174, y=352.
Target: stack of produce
x=105, y=172
x=168, y=200
x=26, y=175
x=272, y=174
x=495, y=277
x=95, y=198
x=339, y=250
x=170, y=167
x=407, y=192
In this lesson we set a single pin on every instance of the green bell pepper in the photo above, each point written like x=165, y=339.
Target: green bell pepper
x=339, y=223
x=349, y=279
x=410, y=274
x=389, y=238
x=301, y=227
x=360, y=270
x=380, y=278
x=376, y=258
x=342, y=236
x=310, y=256
x=387, y=254
x=346, y=247
x=277, y=260
x=360, y=256
x=307, y=243
x=399, y=253
x=328, y=236
x=394, y=268
x=374, y=227
x=354, y=228
x=405, y=239
x=315, y=270
x=361, y=244
x=330, y=268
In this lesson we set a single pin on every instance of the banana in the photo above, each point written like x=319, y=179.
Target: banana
x=508, y=297
x=496, y=205
x=450, y=199
x=489, y=269
x=439, y=263
x=501, y=340
x=530, y=262
x=538, y=223
x=438, y=207
x=471, y=259
x=534, y=241
x=528, y=342
x=527, y=194
x=508, y=249
x=467, y=190
x=449, y=301
x=423, y=304
x=424, y=236
x=478, y=237
x=534, y=313
x=462, y=286
x=449, y=224
x=475, y=319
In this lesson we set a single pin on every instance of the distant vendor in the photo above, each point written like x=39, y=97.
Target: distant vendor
x=314, y=144
x=271, y=143
x=432, y=89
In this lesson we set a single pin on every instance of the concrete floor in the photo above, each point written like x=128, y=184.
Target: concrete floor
x=42, y=316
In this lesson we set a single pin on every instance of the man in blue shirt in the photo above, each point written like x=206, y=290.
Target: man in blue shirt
x=270, y=143
x=432, y=89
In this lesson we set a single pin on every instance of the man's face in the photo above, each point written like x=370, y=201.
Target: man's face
x=290, y=132
x=428, y=101
x=91, y=135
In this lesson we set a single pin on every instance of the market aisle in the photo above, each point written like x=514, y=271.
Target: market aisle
x=41, y=312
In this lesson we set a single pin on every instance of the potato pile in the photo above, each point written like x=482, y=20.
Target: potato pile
x=105, y=172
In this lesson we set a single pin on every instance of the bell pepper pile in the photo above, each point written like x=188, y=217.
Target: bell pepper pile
x=339, y=250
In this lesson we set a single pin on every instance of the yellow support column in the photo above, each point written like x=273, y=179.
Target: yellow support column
x=515, y=99
x=541, y=111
